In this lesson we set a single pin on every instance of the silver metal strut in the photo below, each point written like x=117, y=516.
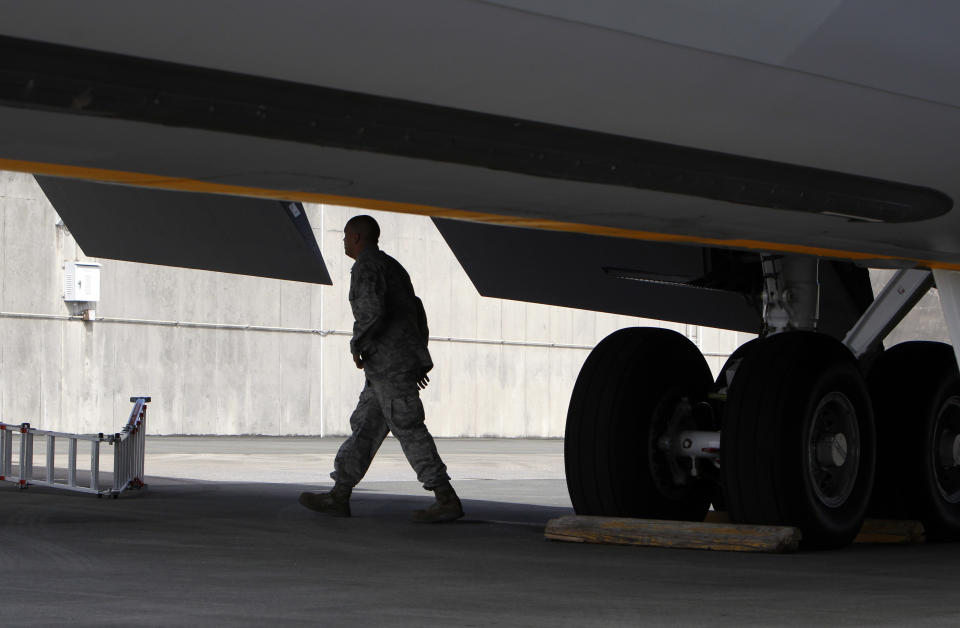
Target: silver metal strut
x=791, y=293
x=895, y=301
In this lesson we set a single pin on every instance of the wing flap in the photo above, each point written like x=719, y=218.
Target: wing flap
x=230, y=234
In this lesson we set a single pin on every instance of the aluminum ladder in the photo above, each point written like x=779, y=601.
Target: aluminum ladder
x=128, y=455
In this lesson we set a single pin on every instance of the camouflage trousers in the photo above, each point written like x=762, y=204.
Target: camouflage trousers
x=385, y=407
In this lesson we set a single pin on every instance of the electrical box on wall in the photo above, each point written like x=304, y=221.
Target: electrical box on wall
x=81, y=282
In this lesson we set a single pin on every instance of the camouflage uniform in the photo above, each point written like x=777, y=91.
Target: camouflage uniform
x=390, y=335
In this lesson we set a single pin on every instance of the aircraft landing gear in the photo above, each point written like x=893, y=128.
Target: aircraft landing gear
x=639, y=403
x=797, y=442
x=916, y=392
x=799, y=438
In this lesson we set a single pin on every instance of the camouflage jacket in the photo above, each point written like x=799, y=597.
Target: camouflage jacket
x=390, y=326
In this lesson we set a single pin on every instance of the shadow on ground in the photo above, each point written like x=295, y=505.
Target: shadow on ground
x=186, y=553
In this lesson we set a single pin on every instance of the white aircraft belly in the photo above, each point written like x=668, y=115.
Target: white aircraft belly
x=489, y=58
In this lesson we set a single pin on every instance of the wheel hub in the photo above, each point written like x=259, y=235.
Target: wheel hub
x=672, y=416
x=832, y=451
x=947, y=445
x=673, y=467
x=949, y=451
x=833, y=446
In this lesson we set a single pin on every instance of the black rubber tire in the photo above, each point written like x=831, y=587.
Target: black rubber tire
x=765, y=456
x=741, y=352
x=910, y=384
x=609, y=447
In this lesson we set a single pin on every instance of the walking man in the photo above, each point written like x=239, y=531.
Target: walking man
x=390, y=344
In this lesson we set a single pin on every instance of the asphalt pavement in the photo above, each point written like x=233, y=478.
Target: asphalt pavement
x=218, y=539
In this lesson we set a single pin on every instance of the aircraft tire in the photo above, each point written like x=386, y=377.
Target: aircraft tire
x=797, y=440
x=628, y=384
x=916, y=394
x=722, y=384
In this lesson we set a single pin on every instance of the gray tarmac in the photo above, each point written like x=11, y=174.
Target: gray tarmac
x=218, y=539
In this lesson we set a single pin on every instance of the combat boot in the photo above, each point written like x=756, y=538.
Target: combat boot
x=336, y=503
x=446, y=508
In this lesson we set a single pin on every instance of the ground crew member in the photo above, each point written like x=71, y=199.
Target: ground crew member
x=390, y=344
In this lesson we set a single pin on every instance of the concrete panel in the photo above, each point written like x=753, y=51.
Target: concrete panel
x=332, y=364
x=464, y=308
x=165, y=349
x=200, y=389
x=489, y=315
x=156, y=352
x=564, y=367
x=68, y=421
x=296, y=380
x=5, y=202
x=23, y=260
x=295, y=304
x=489, y=413
x=200, y=298
x=50, y=382
x=21, y=367
x=128, y=292
x=436, y=291
x=465, y=375
x=585, y=328
x=536, y=403
x=263, y=383
x=513, y=321
x=315, y=424
x=14, y=185
x=441, y=401
x=513, y=391
x=130, y=359
x=561, y=325
x=250, y=301
x=97, y=356
x=162, y=291
x=233, y=362
x=538, y=323
x=139, y=359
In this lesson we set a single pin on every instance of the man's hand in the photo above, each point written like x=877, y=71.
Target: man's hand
x=423, y=381
x=358, y=361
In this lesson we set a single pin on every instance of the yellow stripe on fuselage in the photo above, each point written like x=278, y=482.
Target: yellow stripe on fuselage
x=197, y=185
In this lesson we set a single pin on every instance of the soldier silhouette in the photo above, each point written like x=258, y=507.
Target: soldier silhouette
x=390, y=344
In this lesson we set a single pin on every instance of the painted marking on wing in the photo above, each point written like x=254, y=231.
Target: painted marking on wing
x=198, y=185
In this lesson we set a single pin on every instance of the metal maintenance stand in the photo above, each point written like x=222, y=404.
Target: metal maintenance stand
x=128, y=455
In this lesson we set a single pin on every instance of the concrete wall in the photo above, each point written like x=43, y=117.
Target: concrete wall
x=61, y=373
